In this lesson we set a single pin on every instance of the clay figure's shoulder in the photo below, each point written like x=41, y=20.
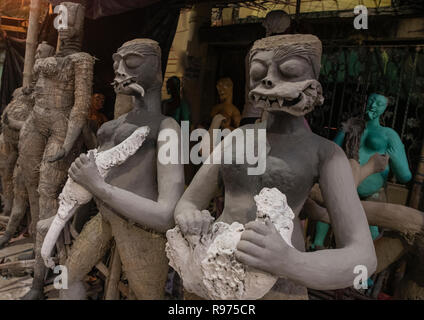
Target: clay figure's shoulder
x=81, y=57
x=325, y=148
x=391, y=135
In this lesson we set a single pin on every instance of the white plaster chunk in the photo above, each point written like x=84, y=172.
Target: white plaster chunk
x=73, y=195
x=207, y=263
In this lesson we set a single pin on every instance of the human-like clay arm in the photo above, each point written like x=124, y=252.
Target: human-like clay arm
x=377, y=163
x=82, y=101
x=12, y=123
x=156, y=215
x=188, y=212
x=264, y=249
x=398, y=161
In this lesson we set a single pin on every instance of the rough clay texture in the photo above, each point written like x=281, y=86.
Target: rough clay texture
x=207, y=263
x=74, y=195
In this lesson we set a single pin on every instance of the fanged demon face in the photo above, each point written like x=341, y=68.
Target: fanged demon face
x=135, y=71
x=283, y=84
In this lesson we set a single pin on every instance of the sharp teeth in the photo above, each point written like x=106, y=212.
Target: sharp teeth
x=280, y=101
x=255, y=97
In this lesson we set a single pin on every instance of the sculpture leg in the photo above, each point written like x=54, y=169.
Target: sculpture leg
x=36, y=292
x=7, y=179
x=52, y=178
x=31, y=149
x=143, y=258
x=20, y=204
x=90, y=246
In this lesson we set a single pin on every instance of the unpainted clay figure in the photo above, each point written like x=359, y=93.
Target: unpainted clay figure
x=283, y=77
x=136, y=200
x=13, y=121
x=52, y=131
x=13, y=117
x=375, y=139
x=231, y=115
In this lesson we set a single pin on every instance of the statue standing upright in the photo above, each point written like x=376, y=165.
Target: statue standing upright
x=62, y=92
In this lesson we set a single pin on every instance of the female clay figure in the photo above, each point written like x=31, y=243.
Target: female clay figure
x=14, y=119
x=283, y=77
x=14, y=114
x=226, y=108
x=137, y=199
x=51, y=136
x=374, y=139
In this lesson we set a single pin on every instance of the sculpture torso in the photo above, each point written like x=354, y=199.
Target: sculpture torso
x=292, y=166
x=139, y=173
x=373, y=140
x=55, y=86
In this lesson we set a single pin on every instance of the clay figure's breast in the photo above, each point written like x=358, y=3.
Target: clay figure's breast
x=292, y=170
x=55, y=85
x=375, y=142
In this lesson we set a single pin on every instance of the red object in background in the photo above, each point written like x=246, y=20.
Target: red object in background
x=384, y=296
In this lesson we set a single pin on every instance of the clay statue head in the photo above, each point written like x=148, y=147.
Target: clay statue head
x=97, y=101
x=376, y=106
x=225, y=89
x=44, y=50
x=71, y=33
x=137, y=66
x=276, y=21
x=173, y=86
x=283, y=73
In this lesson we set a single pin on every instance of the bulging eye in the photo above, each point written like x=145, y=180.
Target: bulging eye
x=258, y=71
x=291, y=69
x=132, y=60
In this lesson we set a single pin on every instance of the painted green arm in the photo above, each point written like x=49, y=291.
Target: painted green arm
x=398, y=161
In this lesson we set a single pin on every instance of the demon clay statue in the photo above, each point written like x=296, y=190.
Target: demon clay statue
x=136, y=200
x=283, y=80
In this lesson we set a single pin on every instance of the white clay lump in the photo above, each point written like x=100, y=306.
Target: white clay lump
x=73, y=195
x=207, y=263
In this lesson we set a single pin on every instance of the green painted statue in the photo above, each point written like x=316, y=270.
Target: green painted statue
x=375, y=139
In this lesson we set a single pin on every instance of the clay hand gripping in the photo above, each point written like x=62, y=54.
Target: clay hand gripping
x=207, y=261
x=74, y=195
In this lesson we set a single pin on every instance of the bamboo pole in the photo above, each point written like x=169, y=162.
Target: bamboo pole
x=31, y=40
x=414, y=201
